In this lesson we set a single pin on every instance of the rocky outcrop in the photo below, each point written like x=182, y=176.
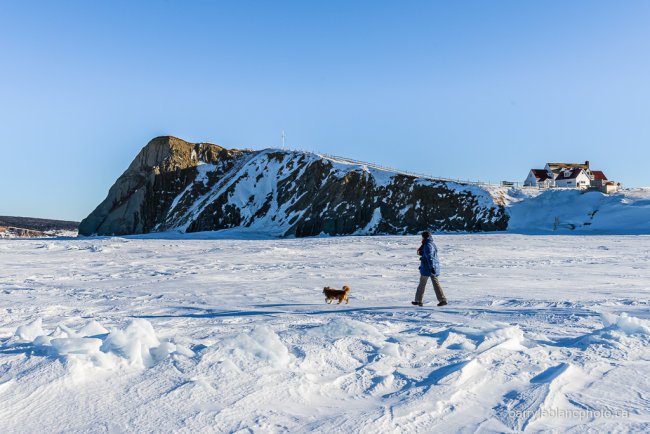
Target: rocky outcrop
x=142, y=195
x=190, y=187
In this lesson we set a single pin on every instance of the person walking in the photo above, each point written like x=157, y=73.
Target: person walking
x=429, y=268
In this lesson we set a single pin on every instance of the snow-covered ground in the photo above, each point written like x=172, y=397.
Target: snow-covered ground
x=223, y=335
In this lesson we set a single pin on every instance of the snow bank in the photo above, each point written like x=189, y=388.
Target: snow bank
x=248, y=351
x=626, y=336
x=135, y=345
x=509, y=337
x=626, y=323
x=568, y=210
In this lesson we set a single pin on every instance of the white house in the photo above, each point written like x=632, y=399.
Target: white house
x=573, y=178
x=570, y=175
x=546, y=177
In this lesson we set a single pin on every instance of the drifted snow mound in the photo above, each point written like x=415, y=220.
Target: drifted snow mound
x=247, y=351
x=630, y=335
x=626, y=323
x=135, y=345
x=568, y=210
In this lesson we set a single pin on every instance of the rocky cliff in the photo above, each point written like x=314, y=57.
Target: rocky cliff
x=190, y=187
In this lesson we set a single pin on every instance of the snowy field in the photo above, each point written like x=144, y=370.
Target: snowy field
x=217, y=335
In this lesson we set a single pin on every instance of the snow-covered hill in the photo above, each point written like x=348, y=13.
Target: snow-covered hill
x=542, y=334
x=173, y=185
x=573, y=211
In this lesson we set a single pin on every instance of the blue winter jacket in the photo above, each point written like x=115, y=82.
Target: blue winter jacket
x=429, y=263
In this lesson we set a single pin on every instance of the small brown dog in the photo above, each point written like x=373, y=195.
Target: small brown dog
x=333, y=294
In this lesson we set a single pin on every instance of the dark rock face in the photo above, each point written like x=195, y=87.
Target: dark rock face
x=140, y=198
x=176, y=185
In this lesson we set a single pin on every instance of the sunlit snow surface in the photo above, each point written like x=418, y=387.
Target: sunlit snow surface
x=220, y=335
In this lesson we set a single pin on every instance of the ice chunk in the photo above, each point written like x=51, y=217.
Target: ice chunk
x=390, y=349
x=184, y=351
x=137, y=343
x=64, y=346
x=65, y=331
x=31, y=331
x=134, y=343
x=162, y=351
x=42, y=340
x=92, y=328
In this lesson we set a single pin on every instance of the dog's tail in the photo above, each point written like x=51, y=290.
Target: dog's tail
x=346, y=288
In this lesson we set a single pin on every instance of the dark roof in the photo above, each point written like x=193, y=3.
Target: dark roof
x=598, y=175
x=557, y=166
x=540, y=174
x=569, y=174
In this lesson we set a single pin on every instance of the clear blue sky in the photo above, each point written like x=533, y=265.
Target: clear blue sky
x=464, y=89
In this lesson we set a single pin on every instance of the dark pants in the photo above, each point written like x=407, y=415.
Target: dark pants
x=440, y=295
